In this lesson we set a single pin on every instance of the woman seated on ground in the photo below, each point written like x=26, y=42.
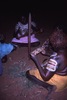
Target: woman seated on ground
x=21, y=33
x=54, y=70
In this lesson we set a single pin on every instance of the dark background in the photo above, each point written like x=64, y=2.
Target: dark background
x=43, y=11
x=13, y=83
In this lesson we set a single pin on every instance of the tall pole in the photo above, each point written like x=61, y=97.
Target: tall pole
x=29, y=35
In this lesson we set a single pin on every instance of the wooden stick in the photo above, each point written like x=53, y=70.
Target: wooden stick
x=29, y=36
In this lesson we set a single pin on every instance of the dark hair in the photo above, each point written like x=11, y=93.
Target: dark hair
x=23, y=20
x=58, y=39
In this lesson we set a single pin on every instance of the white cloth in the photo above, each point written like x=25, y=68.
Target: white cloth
x=25, y=39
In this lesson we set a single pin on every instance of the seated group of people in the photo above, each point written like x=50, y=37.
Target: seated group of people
x=53, y=71
x=20, y=38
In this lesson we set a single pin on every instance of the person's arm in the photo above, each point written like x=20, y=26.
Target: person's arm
x=47, y=51
x=16, y=31
x=45, y=74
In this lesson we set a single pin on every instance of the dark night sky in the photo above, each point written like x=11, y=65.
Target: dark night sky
x=44, y=9
x=20, y=6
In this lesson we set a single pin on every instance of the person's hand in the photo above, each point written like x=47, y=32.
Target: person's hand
x=46, y=43
x=36, y=51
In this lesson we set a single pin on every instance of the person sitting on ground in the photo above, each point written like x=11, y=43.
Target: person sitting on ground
x=5, y=48
x=21, y=32
x=54, y=69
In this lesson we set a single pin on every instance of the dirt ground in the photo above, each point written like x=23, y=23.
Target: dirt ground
x=13, y=83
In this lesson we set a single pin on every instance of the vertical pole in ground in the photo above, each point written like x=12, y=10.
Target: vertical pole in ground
x=29, y=35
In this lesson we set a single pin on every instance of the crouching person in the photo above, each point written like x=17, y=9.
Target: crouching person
x=54, y=70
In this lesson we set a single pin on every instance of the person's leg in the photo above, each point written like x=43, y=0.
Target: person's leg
x=1, y=68
x=36, y=80
x=4, y=59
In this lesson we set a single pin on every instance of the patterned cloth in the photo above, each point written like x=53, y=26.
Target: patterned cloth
x=23, y=28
